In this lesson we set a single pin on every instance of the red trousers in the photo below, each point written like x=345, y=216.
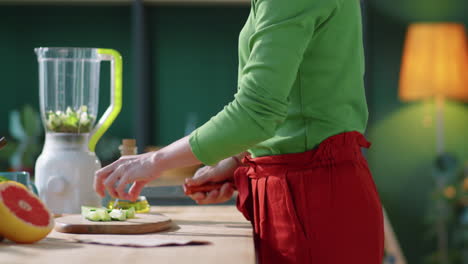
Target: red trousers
x=320, y=206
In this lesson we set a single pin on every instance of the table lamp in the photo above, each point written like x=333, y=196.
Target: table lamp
x=435, y=65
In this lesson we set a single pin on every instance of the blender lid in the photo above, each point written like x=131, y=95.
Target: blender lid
x=74, y=53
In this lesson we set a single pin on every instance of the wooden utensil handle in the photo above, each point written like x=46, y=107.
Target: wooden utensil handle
x=202, y=188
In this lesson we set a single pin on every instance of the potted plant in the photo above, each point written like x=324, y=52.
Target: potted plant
x=24, y=144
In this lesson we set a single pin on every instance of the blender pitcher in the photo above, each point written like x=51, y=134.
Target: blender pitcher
x=68, y=94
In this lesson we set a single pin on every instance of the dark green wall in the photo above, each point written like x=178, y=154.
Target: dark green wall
x=194, y=50
x=22, y=28
x=194, y=69
x=193, y=54
x=403, y=134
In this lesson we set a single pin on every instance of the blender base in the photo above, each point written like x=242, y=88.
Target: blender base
x=65, y=173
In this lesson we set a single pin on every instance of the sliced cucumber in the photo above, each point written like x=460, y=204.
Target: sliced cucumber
x=104, y=214
x=118, y=215
x=95, y=214
x=130, y=212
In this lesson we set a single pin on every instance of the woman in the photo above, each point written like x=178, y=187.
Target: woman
x=300, y=110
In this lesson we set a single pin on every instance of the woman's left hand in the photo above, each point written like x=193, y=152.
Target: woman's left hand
x=137, y=169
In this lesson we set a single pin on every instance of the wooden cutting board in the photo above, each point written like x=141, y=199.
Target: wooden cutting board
x=141, y=224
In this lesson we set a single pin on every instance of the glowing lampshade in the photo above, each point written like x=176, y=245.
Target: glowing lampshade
x=435, y=62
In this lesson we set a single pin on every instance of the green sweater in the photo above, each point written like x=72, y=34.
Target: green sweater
x=301, y=67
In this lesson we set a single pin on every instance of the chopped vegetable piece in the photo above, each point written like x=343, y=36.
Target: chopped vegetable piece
x=104, y=214
x=130, y=212
x=95, y=214
x=118, y=214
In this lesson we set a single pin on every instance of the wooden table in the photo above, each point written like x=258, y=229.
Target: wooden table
x=224, y=227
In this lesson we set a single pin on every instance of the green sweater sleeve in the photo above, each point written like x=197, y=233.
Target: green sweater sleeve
x=281, y=33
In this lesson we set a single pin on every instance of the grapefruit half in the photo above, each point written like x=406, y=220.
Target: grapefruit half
x=23, y=217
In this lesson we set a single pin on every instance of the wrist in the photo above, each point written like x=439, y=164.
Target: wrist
x=237, y=161
x=157, y=161
x=238, y=158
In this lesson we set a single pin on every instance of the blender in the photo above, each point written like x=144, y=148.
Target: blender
x=69, y=99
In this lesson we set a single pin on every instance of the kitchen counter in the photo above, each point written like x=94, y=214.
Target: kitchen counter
x=229, y=235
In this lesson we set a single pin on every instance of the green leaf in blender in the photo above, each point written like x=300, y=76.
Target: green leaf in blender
x=83, y=109
x=70, y=121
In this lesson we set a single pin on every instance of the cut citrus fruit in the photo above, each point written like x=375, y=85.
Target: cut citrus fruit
x=23, y=217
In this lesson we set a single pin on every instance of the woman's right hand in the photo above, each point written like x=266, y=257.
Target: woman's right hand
x=221, y=172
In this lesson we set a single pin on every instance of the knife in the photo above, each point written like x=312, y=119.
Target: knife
x=188, y=190
x=115, y=204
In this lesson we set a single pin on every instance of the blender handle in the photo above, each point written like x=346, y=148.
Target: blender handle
x=116, y=96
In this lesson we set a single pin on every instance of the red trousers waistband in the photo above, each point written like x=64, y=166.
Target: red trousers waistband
x=339, y=148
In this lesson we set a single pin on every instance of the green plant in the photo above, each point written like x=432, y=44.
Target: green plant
x=26, y=129
x=5, y=155
x=447, y=216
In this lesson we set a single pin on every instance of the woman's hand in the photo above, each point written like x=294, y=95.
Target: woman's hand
x=221, y=172
x=137, y=169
